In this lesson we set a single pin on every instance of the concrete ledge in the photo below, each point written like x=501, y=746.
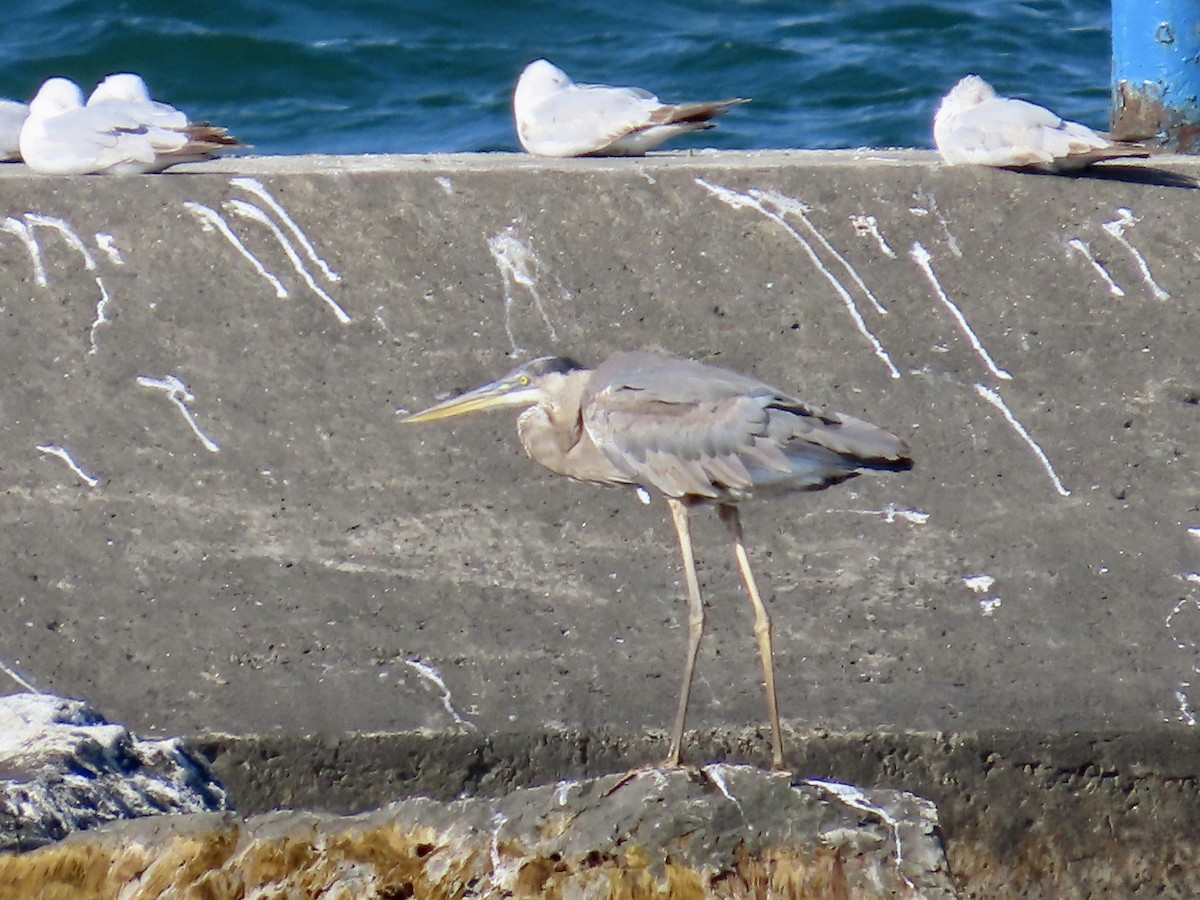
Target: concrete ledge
x=1021, y=814
x=402, y=164
x=324, y=572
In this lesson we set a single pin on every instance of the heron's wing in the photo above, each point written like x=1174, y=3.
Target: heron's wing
x=689, y=429
x=672, y=380
x=584, y=118
x=1008, y=132
x=693, y=449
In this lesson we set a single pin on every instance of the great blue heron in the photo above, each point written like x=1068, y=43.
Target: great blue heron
x=695, y=434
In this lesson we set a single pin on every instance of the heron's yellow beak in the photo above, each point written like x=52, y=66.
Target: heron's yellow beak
x=496, y=395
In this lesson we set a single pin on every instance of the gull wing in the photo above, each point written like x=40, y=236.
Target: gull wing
x=585, y=118
x=1008, y=132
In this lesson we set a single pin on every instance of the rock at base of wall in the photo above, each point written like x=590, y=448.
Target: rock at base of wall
x=63, y=767
x=721, y=831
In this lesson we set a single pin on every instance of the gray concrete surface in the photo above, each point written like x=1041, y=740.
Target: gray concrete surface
x=291, y=562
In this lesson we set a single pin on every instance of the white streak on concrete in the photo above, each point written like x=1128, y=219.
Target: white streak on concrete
x=890, y=514
x=997, y=401
x=980, y=584
x=518, y=264
x=951, y=242
x=54, y=223
x=785, y=205
x=1116, y=229
x=716, y=774
x=1194, y=531
x=913, y=516
x=445, y=183
x=107, y=243
x=1181, y=698
x=16, y=676
x=177, y=392
x=65, y=455
x=381, y=322
x=255, y=187
x=738, y=200
x=101, y=314
x=37, y=220
x=922, y=258
x=32, y=247
x=1185, y=709
x=937, y=213
x=1170, y=622
x=24, y=231
x=431, y=674
x=211, y=220
x=989, y=606
x=660, y=777
x=1081, y=246
x=855, y=798
x=252, y=212
x=868, y=226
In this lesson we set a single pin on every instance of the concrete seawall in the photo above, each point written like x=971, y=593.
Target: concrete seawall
x=340, y=609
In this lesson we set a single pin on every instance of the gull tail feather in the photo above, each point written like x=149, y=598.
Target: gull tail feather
x=699, y=112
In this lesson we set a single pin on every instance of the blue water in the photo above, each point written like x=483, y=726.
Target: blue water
x=369, y=76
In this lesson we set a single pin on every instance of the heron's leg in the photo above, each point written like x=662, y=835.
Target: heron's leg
x=762, y=630
x=679, y=512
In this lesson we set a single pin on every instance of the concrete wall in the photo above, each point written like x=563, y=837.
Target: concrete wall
x=272, y=554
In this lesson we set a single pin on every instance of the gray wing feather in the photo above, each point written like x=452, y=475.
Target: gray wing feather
x=685, y=428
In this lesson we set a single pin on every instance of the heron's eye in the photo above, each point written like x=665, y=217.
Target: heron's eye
x=523, y=380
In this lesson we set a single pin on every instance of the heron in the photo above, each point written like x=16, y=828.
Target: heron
x=695, y=434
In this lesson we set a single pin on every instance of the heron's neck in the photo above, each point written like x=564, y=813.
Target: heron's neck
x=553, y=435
x=552, y=428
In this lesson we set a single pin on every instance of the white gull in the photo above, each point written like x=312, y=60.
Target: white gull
x=975, y=126
x=557, y=117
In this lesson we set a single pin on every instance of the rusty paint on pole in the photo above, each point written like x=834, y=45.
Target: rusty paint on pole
x=1156, y=72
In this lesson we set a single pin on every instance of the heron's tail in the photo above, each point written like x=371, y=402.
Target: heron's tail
x=900, y=464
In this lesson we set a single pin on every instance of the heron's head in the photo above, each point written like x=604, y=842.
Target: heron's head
x=526, y=385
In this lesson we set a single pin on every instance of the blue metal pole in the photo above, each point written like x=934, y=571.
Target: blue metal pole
x=1156, y=72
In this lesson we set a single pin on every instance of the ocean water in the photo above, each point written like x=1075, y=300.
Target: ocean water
x=371, y=76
